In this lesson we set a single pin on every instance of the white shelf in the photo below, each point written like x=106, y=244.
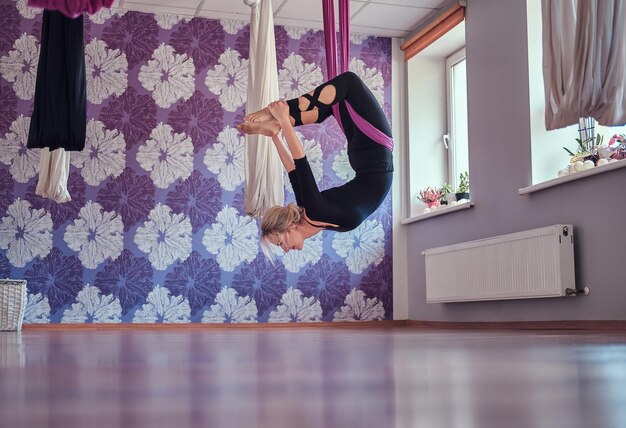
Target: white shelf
x=572, y=177
x=438, y=212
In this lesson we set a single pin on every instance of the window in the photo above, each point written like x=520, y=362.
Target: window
x=548, y=155
x=437, y=115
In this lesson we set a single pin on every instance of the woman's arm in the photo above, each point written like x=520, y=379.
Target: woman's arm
x=284, y=154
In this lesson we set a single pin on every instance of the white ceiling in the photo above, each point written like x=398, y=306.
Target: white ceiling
x=388, y=18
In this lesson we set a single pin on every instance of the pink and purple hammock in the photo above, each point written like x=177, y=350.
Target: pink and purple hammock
x=330, y=43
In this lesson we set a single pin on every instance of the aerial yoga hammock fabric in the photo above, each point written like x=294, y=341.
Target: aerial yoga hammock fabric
x=263, y=169
x=59, y=119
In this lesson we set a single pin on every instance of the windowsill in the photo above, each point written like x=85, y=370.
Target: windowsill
x=438, y=212
x=572, y=177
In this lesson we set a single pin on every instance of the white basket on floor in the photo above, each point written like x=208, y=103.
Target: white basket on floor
x=12, y=304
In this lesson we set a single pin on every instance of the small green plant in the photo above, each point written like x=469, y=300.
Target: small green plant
x=463, y=183
x=446, y=188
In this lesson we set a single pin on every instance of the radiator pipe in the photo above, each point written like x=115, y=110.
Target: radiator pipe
x=576, y=292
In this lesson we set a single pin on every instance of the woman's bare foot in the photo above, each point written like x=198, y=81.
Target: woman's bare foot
x=268, y=127
x=262, y=115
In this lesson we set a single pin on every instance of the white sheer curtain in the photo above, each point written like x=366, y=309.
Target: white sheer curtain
x=264, y=171
x=54, y=170
x=584, y=61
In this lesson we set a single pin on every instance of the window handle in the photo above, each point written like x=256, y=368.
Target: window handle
x=446, y=140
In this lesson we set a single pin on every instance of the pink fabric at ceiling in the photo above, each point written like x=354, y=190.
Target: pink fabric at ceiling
x=72, y=8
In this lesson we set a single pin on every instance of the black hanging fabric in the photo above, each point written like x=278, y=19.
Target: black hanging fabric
x=59, y=117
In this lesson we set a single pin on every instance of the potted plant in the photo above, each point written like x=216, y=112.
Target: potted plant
x=431, y=196
x=462, y=192
x=447, y=194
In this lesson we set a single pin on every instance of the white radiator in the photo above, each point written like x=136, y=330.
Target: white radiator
x=534, y=263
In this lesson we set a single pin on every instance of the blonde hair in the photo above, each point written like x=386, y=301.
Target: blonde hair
x=275, y=221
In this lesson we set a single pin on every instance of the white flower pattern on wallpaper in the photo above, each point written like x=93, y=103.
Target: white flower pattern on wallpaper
x=372, y=78
x=27, y=11
x=362, y=246
x=231, y=308
x=233, y=238
x=37, y=309
x=96, y=235
x=104, y=154
x=296, y=308
x=106, y=13
x=107, y=71
x=314, y=155
x=169, y=76
x=23, y=162
x=92, y=307
x=357, y=39
x=168, y=20
x=226, y=158
x=167, y=156
x=165, y=237
x=296, y=33
x=163, y=308
x=341, y=166
x=297, y=77
x=19, y=67
x=360, y=308
x=232, y=26
x=25, y=233
x=311, y=253
x=229, y=80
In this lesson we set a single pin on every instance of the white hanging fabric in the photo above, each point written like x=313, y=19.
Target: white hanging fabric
x=263, y=169
x=584, y=61
x=54, y=170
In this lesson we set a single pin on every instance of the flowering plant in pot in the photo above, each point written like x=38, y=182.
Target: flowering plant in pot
x=617, y=144
x=431, y=196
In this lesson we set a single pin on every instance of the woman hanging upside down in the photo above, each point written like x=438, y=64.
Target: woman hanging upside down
x=341, y=208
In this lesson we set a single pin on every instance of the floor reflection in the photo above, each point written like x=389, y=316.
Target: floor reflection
x=380, y=377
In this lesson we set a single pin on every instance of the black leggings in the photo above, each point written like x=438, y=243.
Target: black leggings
x=365, y=154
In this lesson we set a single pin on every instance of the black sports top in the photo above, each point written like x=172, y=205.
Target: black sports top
x=346, y=206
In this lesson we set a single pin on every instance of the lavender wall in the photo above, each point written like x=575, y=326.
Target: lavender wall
x=155, y=231
x=500, y=164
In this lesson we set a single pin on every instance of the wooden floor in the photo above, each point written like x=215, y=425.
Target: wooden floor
x=312, y=377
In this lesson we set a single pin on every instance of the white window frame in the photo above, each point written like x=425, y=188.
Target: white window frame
x=452, y=152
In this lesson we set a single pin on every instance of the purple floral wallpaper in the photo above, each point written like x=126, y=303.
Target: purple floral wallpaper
x=155, y=231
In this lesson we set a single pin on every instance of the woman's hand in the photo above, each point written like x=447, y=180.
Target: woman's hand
x=280, y=111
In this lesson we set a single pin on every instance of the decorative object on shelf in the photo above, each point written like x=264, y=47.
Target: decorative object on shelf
x=588, y=149
x=431, y=196
x=592, y=153
x=462, y=192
